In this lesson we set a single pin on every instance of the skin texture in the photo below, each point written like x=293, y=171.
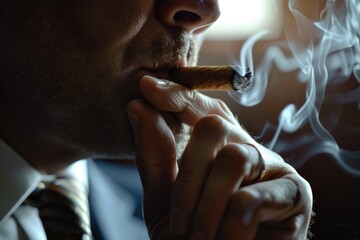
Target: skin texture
x=214, y=193
x=80, y=64
x=72, y=77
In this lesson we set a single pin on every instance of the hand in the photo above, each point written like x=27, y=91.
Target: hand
x=219, y=190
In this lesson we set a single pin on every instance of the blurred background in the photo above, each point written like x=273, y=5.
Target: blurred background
x=336, y=186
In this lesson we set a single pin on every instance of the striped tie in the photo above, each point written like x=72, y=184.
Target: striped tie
x=64, y=210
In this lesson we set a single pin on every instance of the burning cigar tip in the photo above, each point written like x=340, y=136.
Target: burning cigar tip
x=244, y=82
x=222, y=78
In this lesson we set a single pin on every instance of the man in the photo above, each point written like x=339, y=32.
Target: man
x=75, y=73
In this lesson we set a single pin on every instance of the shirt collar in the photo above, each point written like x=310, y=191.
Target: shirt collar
x=17, y=180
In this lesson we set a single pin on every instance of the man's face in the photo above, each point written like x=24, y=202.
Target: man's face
x=72, y=66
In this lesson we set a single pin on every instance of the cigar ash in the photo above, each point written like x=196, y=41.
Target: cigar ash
x=244, y=82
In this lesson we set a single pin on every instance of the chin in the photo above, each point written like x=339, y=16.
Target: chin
x=108, y=150
x=125, y=149
x=120, y=147
x=98, y=137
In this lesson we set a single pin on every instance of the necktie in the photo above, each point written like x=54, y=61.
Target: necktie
x=63, y=209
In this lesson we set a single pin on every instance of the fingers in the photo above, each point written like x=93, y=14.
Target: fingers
x=234, y=165
x=155, y=146
x=266, y=210
x=211, y=169
x=189, y=106
x=205, y=197
x=209, y=135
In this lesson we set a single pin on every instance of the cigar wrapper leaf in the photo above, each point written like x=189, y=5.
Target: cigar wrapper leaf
x=218, y=78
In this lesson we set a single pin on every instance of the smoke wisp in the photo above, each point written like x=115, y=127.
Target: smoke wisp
x=325, y=53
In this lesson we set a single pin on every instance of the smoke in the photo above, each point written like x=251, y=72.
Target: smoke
x=325, y=53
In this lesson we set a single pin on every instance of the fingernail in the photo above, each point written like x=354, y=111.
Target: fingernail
x=198, y=236
x=178, y=221
x=157, y=81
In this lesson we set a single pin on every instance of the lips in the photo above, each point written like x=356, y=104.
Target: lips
x=161, y=74
x=162, y=71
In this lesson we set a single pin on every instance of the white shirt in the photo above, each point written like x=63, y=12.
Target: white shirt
x=17, y=180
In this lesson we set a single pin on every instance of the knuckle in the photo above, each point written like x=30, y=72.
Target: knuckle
x=304, y=197
x=191, y=96
x=242, y=200
x=226, y=110
x=211, y=125
x=222, y=105
x=306, y=188
x=232, y=156
x=296, y=226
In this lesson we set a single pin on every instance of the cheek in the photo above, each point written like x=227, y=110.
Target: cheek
x=71, y=49
x=99, y=24
x=91, y=35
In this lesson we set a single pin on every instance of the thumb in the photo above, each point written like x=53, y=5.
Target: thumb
x=156, y=158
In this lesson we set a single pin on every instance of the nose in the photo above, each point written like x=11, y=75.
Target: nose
x=190, y=15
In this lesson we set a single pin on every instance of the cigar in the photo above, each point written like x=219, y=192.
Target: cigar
x=220, y=78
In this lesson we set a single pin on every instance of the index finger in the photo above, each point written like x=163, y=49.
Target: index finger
x=188, y=105
x=156, y=161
